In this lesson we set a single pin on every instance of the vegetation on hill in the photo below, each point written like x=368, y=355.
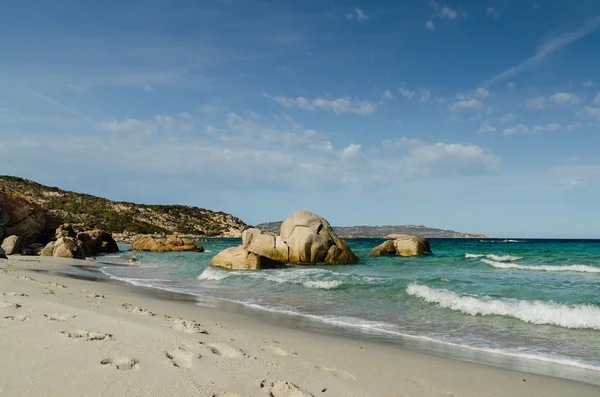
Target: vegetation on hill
x=115, y=217
x=382, y=231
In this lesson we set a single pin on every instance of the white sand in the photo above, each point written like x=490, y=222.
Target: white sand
x=65, y=337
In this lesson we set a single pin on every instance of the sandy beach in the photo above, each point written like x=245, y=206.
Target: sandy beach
x=69, y=337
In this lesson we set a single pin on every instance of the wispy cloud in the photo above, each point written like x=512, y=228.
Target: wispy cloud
x=493, y=12
x=55, y=103
x=587, y=83
x=536, y=129
x=359, y=15
x=429, y=25
x=564, y=98
x=466, y=104
x=337, y=106
x=547, y=48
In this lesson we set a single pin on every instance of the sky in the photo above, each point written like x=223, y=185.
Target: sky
x=477, y=116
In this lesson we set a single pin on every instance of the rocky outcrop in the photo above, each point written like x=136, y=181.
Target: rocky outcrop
x=64, y=247
x=65, y=230
x=12, y=245
x=237, y=258
x=96, y=242
x=311, y=239
x=22, y=217
x=403, y=245
x=265, y=244
x=2, y=254
x=306, y=238
x=171, y=243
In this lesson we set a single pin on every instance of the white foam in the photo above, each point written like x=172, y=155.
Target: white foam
x=503, y=258
x=470, y=256
x=212, y=274
x=322, y=284
x=545, y=268
x=535, y=312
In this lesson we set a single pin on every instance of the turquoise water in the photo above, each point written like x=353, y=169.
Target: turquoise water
x=536, y=299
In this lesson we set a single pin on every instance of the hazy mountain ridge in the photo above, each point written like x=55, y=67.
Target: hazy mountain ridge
x=113, y=216
x=382, y=231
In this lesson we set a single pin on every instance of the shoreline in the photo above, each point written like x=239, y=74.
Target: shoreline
x=322, y=360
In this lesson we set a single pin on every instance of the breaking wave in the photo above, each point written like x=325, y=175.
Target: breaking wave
x=582, y=316
x=545, y=268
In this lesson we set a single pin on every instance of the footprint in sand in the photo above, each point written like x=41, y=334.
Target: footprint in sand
x=95, y=295
x=275, y=350
x=190, y=327
x=181, y=358
x=226, y=394
x=14, y=294
x=27, y=278
x=17, y=318
x=5, y=305
x=223, y=350
x=56, y=285
x=121, y=363
x=284, y=389
x=337, y=372
x=87, y=335
x=59, y=317
x=136, y=309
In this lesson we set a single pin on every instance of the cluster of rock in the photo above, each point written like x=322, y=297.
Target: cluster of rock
x=144, y=242
x=304, y=238
x=26, y=228
x=403, y=245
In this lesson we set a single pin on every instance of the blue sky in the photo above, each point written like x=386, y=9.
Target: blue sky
x=480, y=116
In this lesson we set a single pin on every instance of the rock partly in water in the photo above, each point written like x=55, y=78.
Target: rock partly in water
x=64, y=247
x=12, y=245
x=403, y=245
x=311, y=239
x=265, y=244
x=131, y=260
x=96, y=242
x=237, y=258
x=172, y=243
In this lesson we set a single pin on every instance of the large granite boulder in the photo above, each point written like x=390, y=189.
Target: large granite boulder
x=311, y=239
x=265, y=244
x=23, y=217
x=64, y=247
x=96, y=242
x=403, y=245
x=171, y=243
x=237, y=258
x=12, y=245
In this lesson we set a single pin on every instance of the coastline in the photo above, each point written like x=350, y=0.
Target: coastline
x=236, y=356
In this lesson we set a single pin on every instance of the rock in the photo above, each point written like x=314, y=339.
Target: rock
x=97, y=242
x=172, y=243
x=21, y=216
x=403, y=245
x=311, y=239
x=65, y=230
x=131, y=260
x=64, y=247
x=237, y=258
x=12, y=245
x=265, y=244
x=2, y=254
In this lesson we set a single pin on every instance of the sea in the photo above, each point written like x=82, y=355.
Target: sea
x=523, y=304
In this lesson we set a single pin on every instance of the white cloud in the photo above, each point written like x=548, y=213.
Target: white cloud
x=482, y=92
x=574, y=126
x=597, y=99
x=429, y=25
x=448, y=13
x=466, y=104
x=587, y=83
x=574, y=176
x=487, y=128
x=350, y=151
x=536, y=103
x=518, y=129
x=444, y=12
x=359, y=15
x=388, y=95
x=209, y=109
x=523, y=129
x=506, y=118
x=148, y=88
x=493, y=12
x=510, y=85
x=546, y=48
x=129, y=125
x=564, y=98
x=407, y=93
x=592, y=112
x=338, y=106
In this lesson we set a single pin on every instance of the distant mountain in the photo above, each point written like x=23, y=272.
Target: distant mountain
x=382, y=231
x=91, y=212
